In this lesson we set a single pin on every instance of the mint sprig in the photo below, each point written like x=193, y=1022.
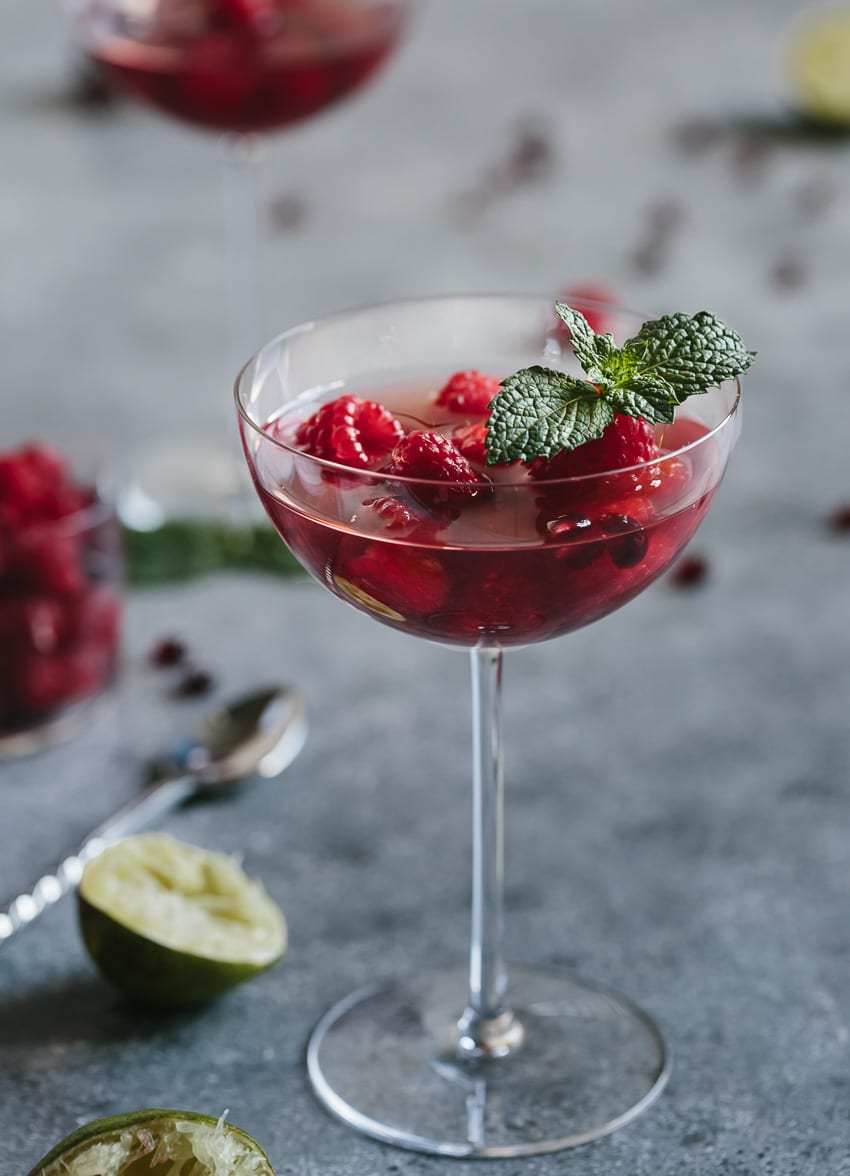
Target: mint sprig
x=539, y=411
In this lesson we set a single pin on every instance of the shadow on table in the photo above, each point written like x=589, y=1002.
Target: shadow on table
x=82, y=1009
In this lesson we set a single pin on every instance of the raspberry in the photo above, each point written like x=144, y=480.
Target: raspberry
x=398, y=577
x=469, y=392
x=32, y=623
x=435, y=458
x=44, y=683
x=94, y=618
x=471, y=440
x=627, y=441
x=21, y=488
x=599, y=317
x=253, y=15
x=503, y=599
x=396, y=515
x=48, y=564
x=350, y=431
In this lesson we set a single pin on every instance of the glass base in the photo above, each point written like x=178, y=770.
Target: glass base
x=384, y=1060
x=58, y=728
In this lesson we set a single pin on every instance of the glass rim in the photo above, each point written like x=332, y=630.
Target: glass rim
x=91, y=514
x=338, y=469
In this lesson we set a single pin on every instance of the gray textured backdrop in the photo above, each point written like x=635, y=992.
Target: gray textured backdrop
x=678, y=774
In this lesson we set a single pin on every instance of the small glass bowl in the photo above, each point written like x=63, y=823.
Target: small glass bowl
x=61, y=603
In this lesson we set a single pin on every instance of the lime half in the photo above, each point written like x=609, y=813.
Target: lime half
x=819, y=64
x=171, y=924
x=169, y=1143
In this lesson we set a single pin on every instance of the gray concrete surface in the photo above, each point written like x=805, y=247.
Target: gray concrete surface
x=678, y=773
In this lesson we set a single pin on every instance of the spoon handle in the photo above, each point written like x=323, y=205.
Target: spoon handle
x=143, y=809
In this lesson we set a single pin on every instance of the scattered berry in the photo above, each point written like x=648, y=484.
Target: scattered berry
x=528, y=158
x=694, y=136
x=816, y=196
x=627, y=441
x=839, y=518
x=195, y=683
x=749, y=159
x=789, y=273
x=666, y=215
x=350, y=431
x=468, y=392
x=287, y=211
x=167, y=652
x=435, y=459
x=690, y=571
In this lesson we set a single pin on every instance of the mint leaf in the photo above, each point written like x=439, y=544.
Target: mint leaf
x=584, y=340
x=689, y=353
x=654, y=400
x=537, y=412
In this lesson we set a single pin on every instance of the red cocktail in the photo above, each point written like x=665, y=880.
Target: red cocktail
x=242, y=65
x=513, y=557
x=369, y=437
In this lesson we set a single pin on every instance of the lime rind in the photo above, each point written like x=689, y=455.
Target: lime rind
x=165, y=1141
x=173, y=925
x=186, y=898
x=818, y=63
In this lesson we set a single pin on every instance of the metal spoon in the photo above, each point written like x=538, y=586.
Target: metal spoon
x=259, y=734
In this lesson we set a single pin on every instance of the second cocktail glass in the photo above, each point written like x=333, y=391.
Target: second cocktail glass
x=477, y=1061
x=243, y=69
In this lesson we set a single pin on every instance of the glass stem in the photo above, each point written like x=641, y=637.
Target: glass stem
x=242, y=157
x=241, y=170
x=487, y=1028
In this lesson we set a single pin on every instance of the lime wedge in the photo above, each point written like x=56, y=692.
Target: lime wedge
x=171, y=924
x=169, y=1143
x=819, y=64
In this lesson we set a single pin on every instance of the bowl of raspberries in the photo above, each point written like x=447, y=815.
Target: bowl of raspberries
x=61, y=582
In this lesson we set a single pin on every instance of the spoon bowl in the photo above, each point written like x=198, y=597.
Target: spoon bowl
x=257, y=734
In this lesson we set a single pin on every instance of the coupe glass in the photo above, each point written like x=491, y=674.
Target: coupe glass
x=242, y=69
x=465, y=1061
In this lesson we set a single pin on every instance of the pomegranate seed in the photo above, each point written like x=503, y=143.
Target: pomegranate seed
x=167, y=652
x=194, y=684
x=839, y=518
x=690, y=571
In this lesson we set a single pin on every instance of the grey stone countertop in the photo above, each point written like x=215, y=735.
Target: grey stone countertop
x=678, y=794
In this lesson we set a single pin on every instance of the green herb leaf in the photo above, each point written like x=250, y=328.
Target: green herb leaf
x=655, y=400
x=538, y=412
x=182, y=549
x=591, y=350
x=690, y=354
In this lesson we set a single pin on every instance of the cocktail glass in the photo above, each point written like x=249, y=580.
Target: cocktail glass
x=241, y=69
x=474, y=1062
